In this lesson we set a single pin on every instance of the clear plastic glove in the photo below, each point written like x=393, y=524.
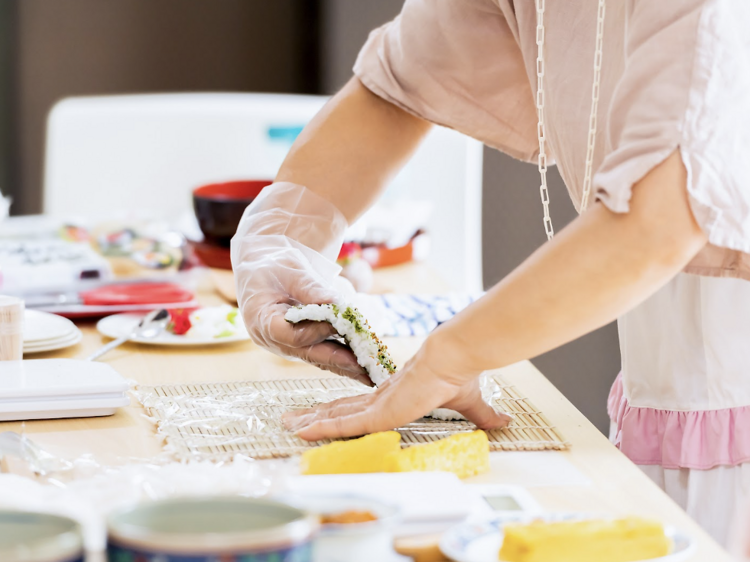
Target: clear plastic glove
x=431, y=379
x=283, y=255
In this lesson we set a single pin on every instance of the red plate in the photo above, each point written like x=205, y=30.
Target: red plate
x=212, y=256
x=376, y=256
x=136, y=294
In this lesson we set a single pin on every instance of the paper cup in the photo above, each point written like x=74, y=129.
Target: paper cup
x=11, y=328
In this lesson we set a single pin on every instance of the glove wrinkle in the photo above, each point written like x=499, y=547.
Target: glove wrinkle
x=284, y=255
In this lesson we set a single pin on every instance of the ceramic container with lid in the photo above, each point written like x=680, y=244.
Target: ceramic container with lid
x=39, y=537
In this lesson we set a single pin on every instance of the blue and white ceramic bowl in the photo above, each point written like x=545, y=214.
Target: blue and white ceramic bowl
x=225, y=529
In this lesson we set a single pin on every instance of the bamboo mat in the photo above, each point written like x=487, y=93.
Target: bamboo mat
x=220, y=420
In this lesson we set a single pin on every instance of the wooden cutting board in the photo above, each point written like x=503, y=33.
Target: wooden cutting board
x=223, y=281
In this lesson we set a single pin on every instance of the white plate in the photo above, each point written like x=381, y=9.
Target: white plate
x=119, y=325
x=480, y=541
x=65, y=340
x=43, y=343
x=52, y=345
x=42, y=326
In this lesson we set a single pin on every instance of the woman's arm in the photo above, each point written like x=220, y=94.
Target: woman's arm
x=602, y=265
x=280, y=254
x=352, y=148
x=597, y=268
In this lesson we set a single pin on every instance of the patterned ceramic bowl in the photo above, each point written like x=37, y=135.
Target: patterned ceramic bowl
x=226, y=529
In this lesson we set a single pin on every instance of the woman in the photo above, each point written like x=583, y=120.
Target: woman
x=669, y=208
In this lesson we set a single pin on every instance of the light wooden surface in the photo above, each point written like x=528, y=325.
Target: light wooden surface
x=617, y=486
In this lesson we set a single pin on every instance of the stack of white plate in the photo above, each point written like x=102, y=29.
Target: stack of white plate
x=43, y=331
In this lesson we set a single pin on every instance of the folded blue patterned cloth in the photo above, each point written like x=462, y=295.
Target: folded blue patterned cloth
x=418, y=315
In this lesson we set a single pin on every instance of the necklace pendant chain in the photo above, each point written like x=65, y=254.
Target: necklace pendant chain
x=541, y=134
x=541, y=131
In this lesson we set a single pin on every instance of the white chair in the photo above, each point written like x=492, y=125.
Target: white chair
x=141, y=155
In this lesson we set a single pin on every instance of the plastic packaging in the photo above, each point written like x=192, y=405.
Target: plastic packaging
x=283, y=255
x=220, y=420
x=87, y=491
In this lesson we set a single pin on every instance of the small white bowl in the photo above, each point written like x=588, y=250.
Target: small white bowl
x=364, y=542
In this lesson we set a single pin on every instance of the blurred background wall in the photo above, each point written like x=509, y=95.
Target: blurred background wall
x=81, y=47
x=53, y=49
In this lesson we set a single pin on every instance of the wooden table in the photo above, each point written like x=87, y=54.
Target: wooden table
x=617, y=485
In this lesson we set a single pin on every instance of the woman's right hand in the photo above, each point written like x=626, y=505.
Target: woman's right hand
x=283, y=255
x=433, y=378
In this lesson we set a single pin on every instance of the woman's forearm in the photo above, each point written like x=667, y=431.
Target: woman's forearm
x=600, y=266
x=352, y=148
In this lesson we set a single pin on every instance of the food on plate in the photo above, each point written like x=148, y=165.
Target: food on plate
x=616, y=540
x=137, y=249
x=355, y=456
x=179, y=321
x=464, y=454
x=371, y=353
x=348, y=517
x=210, y=322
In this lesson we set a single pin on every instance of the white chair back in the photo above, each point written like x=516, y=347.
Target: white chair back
x=141, y=155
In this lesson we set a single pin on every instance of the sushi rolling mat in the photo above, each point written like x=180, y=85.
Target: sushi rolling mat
x=220, y=420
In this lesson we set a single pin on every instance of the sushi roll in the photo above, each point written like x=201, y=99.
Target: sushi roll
x=371, y=353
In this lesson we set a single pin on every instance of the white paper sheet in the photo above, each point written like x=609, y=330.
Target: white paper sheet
x=532, y=469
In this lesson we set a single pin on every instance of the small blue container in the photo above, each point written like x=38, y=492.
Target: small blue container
x=39, y=537
x=225, y=529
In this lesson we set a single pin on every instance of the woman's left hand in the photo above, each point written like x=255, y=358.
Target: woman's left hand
x=408, y=395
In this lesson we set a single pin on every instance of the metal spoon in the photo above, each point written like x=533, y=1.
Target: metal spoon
x=149, y=327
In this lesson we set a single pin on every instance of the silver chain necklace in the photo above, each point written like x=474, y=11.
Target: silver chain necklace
x=541, y=133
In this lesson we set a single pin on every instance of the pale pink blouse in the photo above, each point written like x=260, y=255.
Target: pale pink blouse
x=675, y=75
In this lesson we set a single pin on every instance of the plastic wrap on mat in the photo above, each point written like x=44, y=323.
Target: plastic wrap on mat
x=87, y=491
x=220, y=420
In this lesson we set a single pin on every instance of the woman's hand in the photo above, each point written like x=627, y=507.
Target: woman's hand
x=425, y=383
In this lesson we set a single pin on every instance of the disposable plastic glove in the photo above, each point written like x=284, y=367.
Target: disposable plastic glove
x=284, y=255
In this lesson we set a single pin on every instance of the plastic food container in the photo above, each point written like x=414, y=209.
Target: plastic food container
x=229, y=529
x=39, y=537
x=371, y=541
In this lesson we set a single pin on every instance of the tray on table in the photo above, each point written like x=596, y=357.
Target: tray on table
x=220, y=420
